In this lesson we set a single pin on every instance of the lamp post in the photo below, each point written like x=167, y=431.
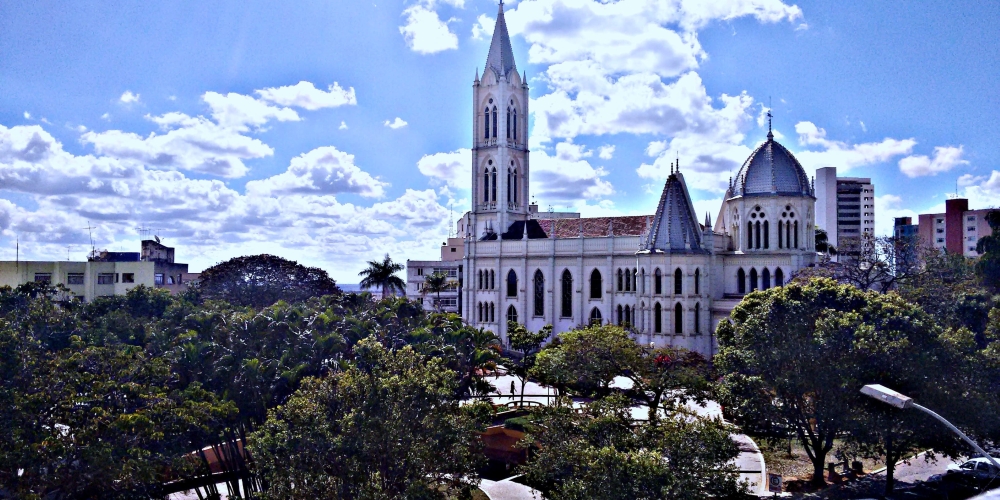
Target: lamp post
x=893, y=398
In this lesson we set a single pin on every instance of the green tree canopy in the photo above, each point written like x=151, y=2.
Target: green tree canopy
x=988, y=247
x=588, y=359
x=382, y=275
x=389, y=427
x=261, y=280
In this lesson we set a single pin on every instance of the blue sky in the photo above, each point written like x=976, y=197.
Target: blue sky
x=332, y=132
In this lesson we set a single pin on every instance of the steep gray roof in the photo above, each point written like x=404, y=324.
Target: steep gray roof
x=770, y=170
x=501, y=57
x=674, y=228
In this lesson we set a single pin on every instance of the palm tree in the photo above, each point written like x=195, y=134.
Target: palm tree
x=436, y=283
x=383, y=275
x=823, y=243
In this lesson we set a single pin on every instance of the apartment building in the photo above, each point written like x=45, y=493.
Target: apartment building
x=452, y=252
x=845, y=208
x=957, y=230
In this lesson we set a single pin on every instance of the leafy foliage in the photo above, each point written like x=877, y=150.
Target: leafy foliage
x=988, y=247
x=382, y=275
x=261, y=280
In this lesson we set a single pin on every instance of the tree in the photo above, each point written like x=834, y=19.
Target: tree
x=601, y=453
x=389, y=427
x=526, y=344
x=988, y=247
x=436, y=283
x=587, y=359
x=793, y=359
x=261, y=280
x=667, y=376
x=383, y=275
x=874, y=263
x=823, y=243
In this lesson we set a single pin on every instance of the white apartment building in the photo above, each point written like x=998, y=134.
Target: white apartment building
x=845, y=207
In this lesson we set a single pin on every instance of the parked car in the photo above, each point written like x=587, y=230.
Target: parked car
x=978, y=471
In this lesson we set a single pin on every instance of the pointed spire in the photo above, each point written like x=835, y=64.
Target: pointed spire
x=501, y=57
x=477, y=74
x=770, y=135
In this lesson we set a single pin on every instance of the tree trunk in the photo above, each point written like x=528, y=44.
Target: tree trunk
x=890, y=466
x=819, y=462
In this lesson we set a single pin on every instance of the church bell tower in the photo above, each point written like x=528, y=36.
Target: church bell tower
x=500, y=140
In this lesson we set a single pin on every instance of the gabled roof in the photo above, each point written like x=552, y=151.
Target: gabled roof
x=595, y=227
x=501, y=57
x=674, y=228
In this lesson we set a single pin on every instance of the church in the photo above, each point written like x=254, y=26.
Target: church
x=668, y=277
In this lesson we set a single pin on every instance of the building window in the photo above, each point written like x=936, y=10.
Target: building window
x=629, y=316
x=621, y=314
x=493, y=185
x=779, y=277
x=493, y=282
x=757, y=235
x=595, y=317
x=158, y=279
x=566, y=310
x=643, y=280
x=940, y=240
x=43, y=277
x=486, y=186
x=940, y=230
x=479, y=312
x=170, y=280
x=971, y=228
x=511, y=314
x=697, y=318
x=697, y=281
x=128, y=277
x=494, y=122
x=657, y=282
x=796, y=234
x=511, y=283
x=109, y=278
x=635, y=280
x=970, y=218
x=678, y=282
x=595, y=284
x=678, y=319
x=753, y=279
x=539, y=293
x=767, y=235
x=479, y=279
x=741, y=281
x=657, y=318
x=940, y=221
x=486, y=123
x=420, y=271
x=74, y=279
x=766, y=279
x=620, y=285
x=493, y=311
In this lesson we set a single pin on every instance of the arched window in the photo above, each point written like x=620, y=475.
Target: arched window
x=779, y=277
x=479, y=316
x=486, y=123
x=642, y=274
x=515, y=125
x=678, y=319
x=753, y=279
x=635, y=275
x=767, y=234
x=595, y=317
x=539, y=293
x=741, y=281
x=493, y=310
x=511, y=283
x=788, y=234
x=566, y=310
x=493, y=185
x=511, y=314
x=620, y=288
x=486, y=186
x=697, y=318
x=657, y=282
x=480, y=282
x=493, y=282
x=508, y=122
x=629, y=318
x=765, y=278
x=621, y=315
x=757, y=231
x=796, y=231
x=697, y=281
x=657, y=318
x=749, y=235
x=514, y=183
x=678, y=282
x=595, y=284
x=494, y=122
x=781, y=227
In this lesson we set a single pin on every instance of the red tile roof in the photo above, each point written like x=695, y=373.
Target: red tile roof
x=594, y=227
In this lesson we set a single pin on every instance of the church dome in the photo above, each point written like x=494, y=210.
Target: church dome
x=771, y=170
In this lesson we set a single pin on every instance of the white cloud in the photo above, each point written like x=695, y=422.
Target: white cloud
x=425, y=32
x=863, y=127
x=981, y=191
x=395, y=124
x=567, y=176
x=945, y=159
x=106, y=116
x=324, y=170
x=343, y=125
x=237, y=111
x=888, y=207
x=188, y=143
x=171, y=97
x=655, y=148
x=482, y=29
x=27, y=115
x=128, y=97
x=305, y=95
x=845, y=156
x=454, y=169
x=606, y=152
x=802, y=27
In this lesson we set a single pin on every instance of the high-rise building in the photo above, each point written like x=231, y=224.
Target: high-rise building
x=845, y=208
x=957, y=230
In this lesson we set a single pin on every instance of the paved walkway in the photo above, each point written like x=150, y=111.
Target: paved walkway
x=508, y=490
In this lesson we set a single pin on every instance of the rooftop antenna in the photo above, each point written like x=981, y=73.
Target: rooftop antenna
x=451, y=220
x=90, y=230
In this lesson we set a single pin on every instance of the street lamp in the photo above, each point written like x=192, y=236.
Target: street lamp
x=893, y=398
